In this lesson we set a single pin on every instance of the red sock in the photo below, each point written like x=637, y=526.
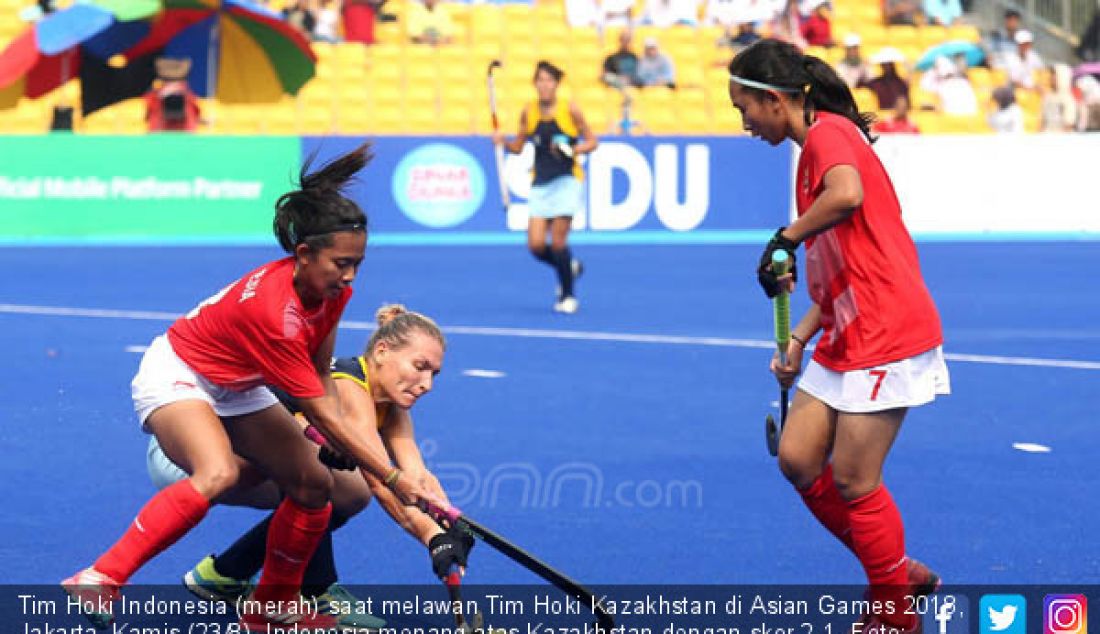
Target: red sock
x=878, y=539
x=291, y=540
x=824, y=501
x=163, y=520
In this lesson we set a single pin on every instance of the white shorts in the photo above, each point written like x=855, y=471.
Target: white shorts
x=164, y=378
x=906, y=383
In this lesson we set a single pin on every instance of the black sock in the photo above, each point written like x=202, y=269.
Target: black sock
x=245, y=557
x=563, y=266
x=543, y=255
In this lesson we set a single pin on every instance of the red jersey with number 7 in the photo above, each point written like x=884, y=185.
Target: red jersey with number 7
x=864, y=272
x=256, y=332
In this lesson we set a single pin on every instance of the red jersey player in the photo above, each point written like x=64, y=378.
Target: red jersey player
x=200, y=390
x=880, y=349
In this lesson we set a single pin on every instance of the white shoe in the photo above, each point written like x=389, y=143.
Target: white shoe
x=568, y=305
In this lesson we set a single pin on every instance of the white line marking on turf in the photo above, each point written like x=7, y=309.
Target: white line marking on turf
x=137, y=349
x=483, y=374
x=147, y=315
x=1030, y=447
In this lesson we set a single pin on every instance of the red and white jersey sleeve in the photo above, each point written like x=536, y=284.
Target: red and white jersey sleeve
x=864, y=272
x=256, y=332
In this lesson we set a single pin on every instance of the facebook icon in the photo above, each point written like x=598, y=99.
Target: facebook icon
x=947, y=614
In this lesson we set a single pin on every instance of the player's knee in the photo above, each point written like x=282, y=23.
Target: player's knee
x=799, y=471
x=215, y=478
x=537, y=250
x=311, y=486
x=853, y=485
x=349, y=499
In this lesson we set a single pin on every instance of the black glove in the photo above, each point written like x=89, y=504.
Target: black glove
x=336, y=460
x=769, y=281
x=449, y=548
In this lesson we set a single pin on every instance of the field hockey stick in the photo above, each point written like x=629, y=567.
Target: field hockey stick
x=455, y=517
x=498, y=150
x=781, y=312
x=476, y=622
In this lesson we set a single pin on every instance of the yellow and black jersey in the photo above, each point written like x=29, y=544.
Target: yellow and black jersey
x=550, y=163
x=348, y=368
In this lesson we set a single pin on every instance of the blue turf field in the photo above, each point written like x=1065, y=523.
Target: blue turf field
x=668, y=427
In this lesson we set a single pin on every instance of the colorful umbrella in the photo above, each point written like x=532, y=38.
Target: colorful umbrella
x=49, y=53
x=240, y=52
x=974, y=53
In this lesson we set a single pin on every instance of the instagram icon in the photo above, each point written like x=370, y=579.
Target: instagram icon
x=1065, y=614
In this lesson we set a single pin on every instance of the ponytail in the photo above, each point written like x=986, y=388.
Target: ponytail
x=827, y=92
x=777, y=65
x=319, y=208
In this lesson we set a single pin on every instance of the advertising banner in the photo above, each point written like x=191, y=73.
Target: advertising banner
x=427, y=190
x=65, y=188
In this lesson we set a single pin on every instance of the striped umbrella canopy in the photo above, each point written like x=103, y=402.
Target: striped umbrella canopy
x=49, y=53
x=240, y=52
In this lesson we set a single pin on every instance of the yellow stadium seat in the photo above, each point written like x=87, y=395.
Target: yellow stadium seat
x=965, y=32
x=690, y=76
x=865, y=99
x=456, y=121
x=903, y=35
x=388, y=119
x=932, y=34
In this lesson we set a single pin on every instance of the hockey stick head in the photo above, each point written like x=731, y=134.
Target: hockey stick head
x=493, y=65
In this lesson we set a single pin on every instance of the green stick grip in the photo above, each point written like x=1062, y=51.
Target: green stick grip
x=781, y=264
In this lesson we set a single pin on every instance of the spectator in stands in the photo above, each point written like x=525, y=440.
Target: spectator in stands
x=1088, y=108
x=1022, y=64
x=171, y=106
x=787, y=25
x=583, y=13
x=1059, y=108
x=889, y=85
x=301, y=17
x=1002, y=41
x=617, y=12
x=1007, y=115
x=900, y=11
x=899, y=122
x=327, y=25
x=816, y=29
x=1089, y=48
x=944, y=12
x=952, y=87
x=620, y=69
x=738, y=38
x=429, y=22
x=655, y=68
x=730, y=13
x=359, y=16
x=852, y=68
x=666, y=13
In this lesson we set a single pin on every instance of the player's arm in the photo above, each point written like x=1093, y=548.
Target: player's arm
x=515, y=145
x=400, y=439
x=588, y=141
x=324, y=412
x=841, y=195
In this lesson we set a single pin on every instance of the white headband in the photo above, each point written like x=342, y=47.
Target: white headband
x=759, y=85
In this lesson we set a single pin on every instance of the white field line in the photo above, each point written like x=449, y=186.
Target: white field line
x=535, y=333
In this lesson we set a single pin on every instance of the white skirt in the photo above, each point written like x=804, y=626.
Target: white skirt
x=906, y=383
x=164, y=378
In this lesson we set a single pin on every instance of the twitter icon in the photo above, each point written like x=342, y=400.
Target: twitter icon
x=1003, y=614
